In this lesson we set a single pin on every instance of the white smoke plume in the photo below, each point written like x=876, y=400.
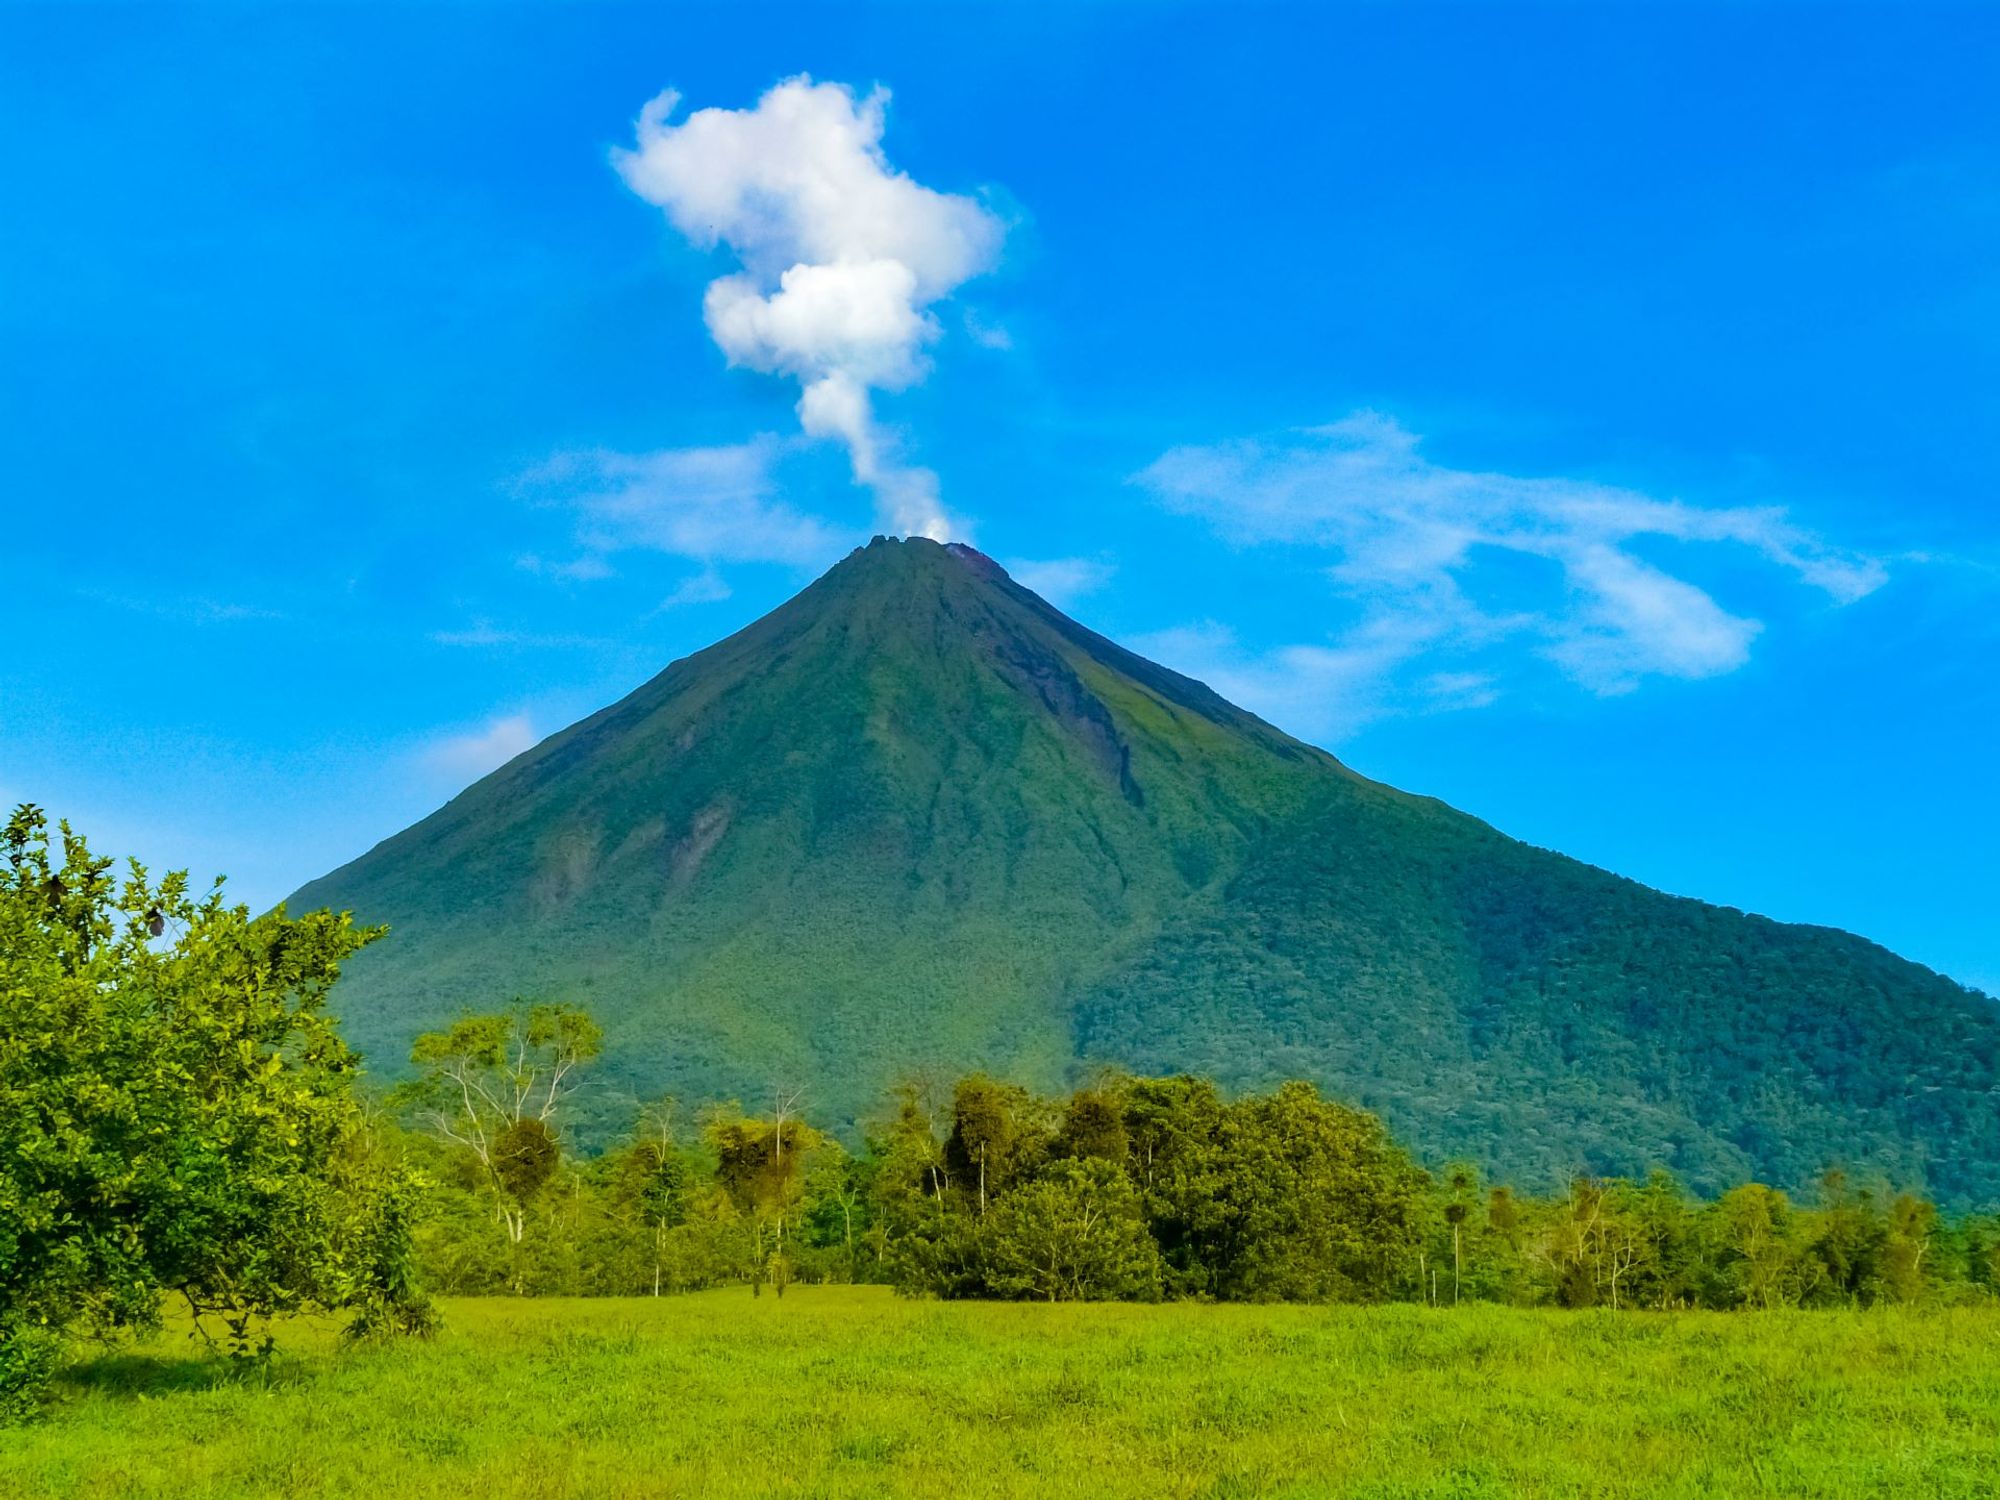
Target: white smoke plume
x=842, y=258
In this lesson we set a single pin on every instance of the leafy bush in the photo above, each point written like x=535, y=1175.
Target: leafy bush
x=177, y=1112
x=1073, y=1235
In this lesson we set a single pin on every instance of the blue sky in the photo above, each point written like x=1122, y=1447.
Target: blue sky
x=1583, y=415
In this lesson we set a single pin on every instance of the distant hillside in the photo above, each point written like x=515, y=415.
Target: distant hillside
x=917, y=818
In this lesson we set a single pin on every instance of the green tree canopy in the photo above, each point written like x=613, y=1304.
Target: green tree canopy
x=177, y=1110
x=1073, y=1234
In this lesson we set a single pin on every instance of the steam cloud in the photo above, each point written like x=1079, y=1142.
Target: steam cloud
x=842, y=257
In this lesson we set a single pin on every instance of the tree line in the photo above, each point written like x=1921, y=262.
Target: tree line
x=1125, y=1188
x=181, y=1124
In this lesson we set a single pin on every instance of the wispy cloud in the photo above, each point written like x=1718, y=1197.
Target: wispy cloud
x=465, y=756
x=705, y=587
x=1451, y=563
x=483, y=632
x=714, y=505
x=1061, y=580
x=186, y=611
x=842, y=256
x=479, y=633
x=589, y=568
x=1321, y=693
x=986, y=335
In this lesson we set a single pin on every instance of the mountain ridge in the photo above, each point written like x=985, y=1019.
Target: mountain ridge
x=917, y=817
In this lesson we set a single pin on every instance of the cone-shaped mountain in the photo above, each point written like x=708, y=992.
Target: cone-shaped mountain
x=917, y=819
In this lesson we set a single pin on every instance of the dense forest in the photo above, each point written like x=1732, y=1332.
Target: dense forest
x=1134, y=1188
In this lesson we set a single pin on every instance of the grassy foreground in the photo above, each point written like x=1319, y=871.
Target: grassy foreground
x=849, y=1391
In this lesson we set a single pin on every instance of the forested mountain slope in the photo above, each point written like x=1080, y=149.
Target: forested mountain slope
x=916, y=818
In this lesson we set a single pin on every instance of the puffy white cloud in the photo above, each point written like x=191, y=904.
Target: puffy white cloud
x=801, y=178
x=842, y=258
x=465, y=757
x=1413, y=542
x=856, y=321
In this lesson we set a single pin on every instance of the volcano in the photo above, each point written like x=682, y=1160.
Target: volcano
x=916, y=820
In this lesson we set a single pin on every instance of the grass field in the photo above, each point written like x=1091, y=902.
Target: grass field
x=849, y=1391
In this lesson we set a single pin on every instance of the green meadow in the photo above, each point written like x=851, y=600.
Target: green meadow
x=839, y=1391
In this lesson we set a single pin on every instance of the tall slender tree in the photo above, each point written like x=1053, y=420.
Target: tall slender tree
x=495, y=1086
